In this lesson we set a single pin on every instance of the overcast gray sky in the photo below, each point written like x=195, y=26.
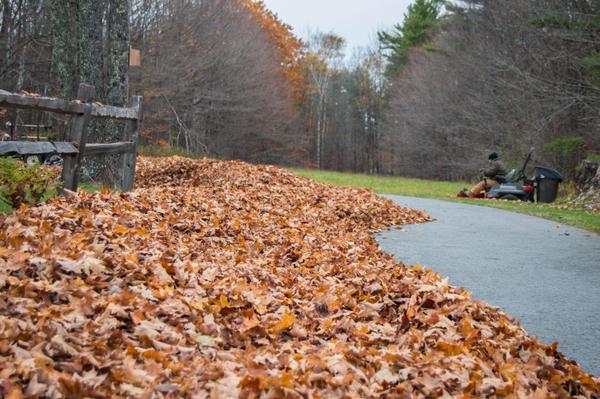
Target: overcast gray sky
x=357, y=21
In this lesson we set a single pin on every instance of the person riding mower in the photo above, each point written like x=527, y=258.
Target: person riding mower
x=490, y=177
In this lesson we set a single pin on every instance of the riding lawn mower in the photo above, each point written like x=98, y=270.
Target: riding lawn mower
x=543, y=187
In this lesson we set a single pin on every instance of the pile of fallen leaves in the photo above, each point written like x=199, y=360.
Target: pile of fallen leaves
x=220, y=279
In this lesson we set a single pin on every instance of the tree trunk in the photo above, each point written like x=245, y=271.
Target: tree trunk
x=115, y=89
x=77, y=50
x=64, y=50
x=117, y=85
x=90, y=15
x=4, y=33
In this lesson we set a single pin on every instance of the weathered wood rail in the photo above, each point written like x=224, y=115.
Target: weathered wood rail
x=81, y=111
x=78, y=107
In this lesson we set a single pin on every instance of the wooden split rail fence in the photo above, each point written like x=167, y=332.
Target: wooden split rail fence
x=81, y=111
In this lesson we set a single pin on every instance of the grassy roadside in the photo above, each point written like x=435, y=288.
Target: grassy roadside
x=446, y=190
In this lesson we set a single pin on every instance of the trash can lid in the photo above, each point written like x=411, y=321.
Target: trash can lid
x=543, y=172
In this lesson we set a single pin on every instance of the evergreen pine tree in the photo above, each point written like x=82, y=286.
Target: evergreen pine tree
x=419, y=21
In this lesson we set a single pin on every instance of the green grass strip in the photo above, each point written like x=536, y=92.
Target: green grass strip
x=581, y=218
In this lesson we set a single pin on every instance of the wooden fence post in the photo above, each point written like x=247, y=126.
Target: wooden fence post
x=131, y=134
x=78, y=136
x=78, y=148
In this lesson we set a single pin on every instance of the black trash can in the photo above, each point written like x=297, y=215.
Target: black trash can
x=547, y=180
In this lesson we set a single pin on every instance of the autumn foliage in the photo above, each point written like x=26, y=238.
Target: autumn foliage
x=291, y=49
x=220, y=78
x=220, y=279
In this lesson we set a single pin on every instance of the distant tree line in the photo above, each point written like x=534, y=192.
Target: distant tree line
x=458, y=81
x=228, y=79
x=218, y=79
x=491, y=75
x=224, y=78
x=343, y=105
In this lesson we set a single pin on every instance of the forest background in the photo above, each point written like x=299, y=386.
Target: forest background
x=228, y=79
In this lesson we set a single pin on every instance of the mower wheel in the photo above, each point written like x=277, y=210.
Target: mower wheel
x=510, y=197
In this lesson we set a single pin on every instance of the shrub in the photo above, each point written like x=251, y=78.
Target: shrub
x=434, y=49
x=566, y=153
x=566, y=147
x=592, y=64
x=551, y=21
x=593, y=156
x=25, y=184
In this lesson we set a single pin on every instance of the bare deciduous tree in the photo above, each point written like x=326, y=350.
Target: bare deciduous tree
x=213, y=83
x=499, y=75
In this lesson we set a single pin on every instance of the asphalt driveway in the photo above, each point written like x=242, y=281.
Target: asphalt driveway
x=545, y=274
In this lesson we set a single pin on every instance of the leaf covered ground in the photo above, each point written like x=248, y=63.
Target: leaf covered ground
x=220, y=279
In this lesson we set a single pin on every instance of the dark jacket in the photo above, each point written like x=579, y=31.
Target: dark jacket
x=496, y=168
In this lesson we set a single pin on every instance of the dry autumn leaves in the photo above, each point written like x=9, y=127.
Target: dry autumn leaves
x=220, y=279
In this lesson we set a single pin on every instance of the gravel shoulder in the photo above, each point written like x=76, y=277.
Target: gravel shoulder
x=545, y=274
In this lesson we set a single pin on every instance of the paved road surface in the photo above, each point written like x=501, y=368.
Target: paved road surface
x=545, y=274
